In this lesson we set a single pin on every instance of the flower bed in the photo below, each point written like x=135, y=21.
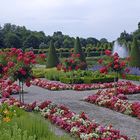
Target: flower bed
x=7, y=88
x=77, y=125
x=116, y=103
x=51, y=85
x=125, y=90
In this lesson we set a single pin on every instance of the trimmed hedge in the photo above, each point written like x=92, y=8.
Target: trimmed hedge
x=67, y=80
x=87, y=80
x=133, y=77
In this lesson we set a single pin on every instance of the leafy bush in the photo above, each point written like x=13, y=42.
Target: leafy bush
x=53, y=74
x=71, y=80
x=133, y=77
x=88, y=80
x=38, y=73
x=52, y=59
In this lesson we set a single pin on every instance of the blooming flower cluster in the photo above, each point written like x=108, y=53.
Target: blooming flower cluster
x=78, y=125
x=99, y=86
x=17, y=64
x=116, y=103
x=6, y=112
x=115, y=64
x=72, y=63
x=7, y=88
x=126, y=89
x=51, y=85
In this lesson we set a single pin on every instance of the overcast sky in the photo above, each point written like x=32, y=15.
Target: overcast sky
x=84, y=18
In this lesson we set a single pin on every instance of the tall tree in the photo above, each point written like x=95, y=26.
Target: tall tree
x=12, y=40
x=135, y=54
x=52, y=59
x=32, y=42
x=78, y=49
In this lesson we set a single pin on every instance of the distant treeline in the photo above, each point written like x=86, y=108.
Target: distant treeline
x=20, y=37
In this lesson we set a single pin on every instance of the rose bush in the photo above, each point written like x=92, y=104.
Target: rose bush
x=72, y=63
x=7, y=88
x=115, y=102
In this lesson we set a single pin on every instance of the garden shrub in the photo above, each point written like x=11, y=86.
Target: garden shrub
x=133, y=77
x=52, y=59
x=135, y=54
x=38, y=73
x=89, y=80
x=53, y=74
x=78, y=50
x=67, y=80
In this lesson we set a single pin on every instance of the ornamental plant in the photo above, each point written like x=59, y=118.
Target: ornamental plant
x=17, y=65
x=115, y=64
x=52, y=59
x=72, y=63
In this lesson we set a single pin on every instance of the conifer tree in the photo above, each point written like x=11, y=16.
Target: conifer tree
x=78, y=49
x=135, y=54
x=52, y=59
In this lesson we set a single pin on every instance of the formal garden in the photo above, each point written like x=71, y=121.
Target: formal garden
x=81, y=93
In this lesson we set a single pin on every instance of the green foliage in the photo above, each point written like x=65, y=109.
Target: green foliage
x=12, y=41
x=38, y=72
x=135, y=54
x=52, y=59
x=88, y=77
x=54, y=74
x=86, y=80
x=14, y=133
x=105, y=79
x=67, y=80
x=25, y=126
x=133, y=77
x=32, y=42
x=78, y=49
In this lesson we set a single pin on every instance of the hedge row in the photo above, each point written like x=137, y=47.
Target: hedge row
x=86, y=80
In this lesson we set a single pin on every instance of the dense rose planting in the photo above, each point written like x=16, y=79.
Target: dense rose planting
x=7, y=88
x=115, y=64
x=72, y=63
x=16, y=65
x=77, y=125
x=117, y=103
x=51, y=85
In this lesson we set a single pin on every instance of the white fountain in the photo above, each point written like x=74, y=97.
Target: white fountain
x=122, y=50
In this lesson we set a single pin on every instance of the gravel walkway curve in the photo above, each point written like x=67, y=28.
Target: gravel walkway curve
x=73, y=99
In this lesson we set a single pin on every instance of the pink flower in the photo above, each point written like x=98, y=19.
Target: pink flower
x=11, y=64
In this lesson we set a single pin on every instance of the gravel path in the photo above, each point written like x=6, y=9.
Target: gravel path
x=126, y=124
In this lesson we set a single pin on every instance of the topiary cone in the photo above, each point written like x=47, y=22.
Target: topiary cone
x=52, y=59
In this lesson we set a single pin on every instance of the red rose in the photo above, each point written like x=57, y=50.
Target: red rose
x=127, y=70
x=78, y=55
x=11, y=64
x=100, y=61
x=116, y=66
x=28, y=84
x=22, y=71
x=107, y=52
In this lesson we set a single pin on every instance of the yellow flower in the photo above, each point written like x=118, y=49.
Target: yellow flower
x=6, y=119
x=6, y=112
